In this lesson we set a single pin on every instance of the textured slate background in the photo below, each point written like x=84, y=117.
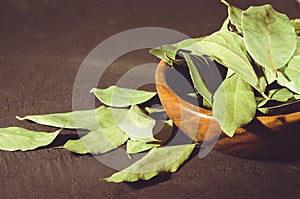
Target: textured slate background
x=43, y=43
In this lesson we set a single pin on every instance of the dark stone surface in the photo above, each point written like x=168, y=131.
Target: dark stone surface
x=43, y=43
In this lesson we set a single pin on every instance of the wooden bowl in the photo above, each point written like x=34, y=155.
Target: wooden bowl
x=265, y=137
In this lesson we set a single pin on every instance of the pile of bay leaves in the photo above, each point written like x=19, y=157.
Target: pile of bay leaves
x=118, y=122
x=260, y=49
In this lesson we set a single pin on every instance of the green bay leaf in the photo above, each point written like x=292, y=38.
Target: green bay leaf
x=225, y=24
x=137, y=124
x=235, y=16
x=280, y=95
x=98, y=142
x=194, y=95
x=66, y=120
x=282, y=108
x=269, y=75
x=168, y=52
x=137, y=146
x=16, y=138
x=152, y=110
x=296, y=24
x=169, y=122
x=229, y=73
x=165, y=159
x=193, y=63
x=228, y=49
x=297, y=96
x=100, y=118
x=269, y=36
x=289, y=76
x=122, y=97
x=161, y=54
x=297, y=51
x=234, y=104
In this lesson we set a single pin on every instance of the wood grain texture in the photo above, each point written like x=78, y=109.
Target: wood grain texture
x=265, y=137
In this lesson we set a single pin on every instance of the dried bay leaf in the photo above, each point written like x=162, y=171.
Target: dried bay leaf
x=269, y=75
x=66, y=120
x=234, y=104
x=137, y=146
x=297, y=96
x=282, y=108
x=98, y=142
x=161, y=54
x=269, y=36
x=151, y=110
x=229, y=50
x=194, y=63
x=289, y=77
x=235, y=16
x=225, y=24
x=122, y=97
x=102, y=117
x=296, y=24
x=280, y=95
x=297, y=51
x=164, y=159
x=168, y=52
x=16, y=138
x=137, y=124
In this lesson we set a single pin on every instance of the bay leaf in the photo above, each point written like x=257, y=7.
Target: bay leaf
x=168, y=52
x=229, y=73
x=169, y=122
x=262, y=79
x=225, y=24
x=165, y=159
x=297, y=96
x=137, y=124
x=137, y=146
x=194, y=95
x=157, y=112
x=234, y=104
x=122, y=97
x=184, y=44
x=289, y=76
x=229, y=50
x=102, y=117
x=270, y=75
x=285, y=107
x=66, y=120
x=151, y=110
x=161, y=54
x=97, y=142
x=297, y=51
x=16, y=138
x=296, y=24
x=269, y=36
x=194, y=63
x=235, y=16
x=280, y=95
x=206, y=104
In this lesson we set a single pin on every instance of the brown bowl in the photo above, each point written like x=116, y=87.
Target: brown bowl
x=265, y=137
